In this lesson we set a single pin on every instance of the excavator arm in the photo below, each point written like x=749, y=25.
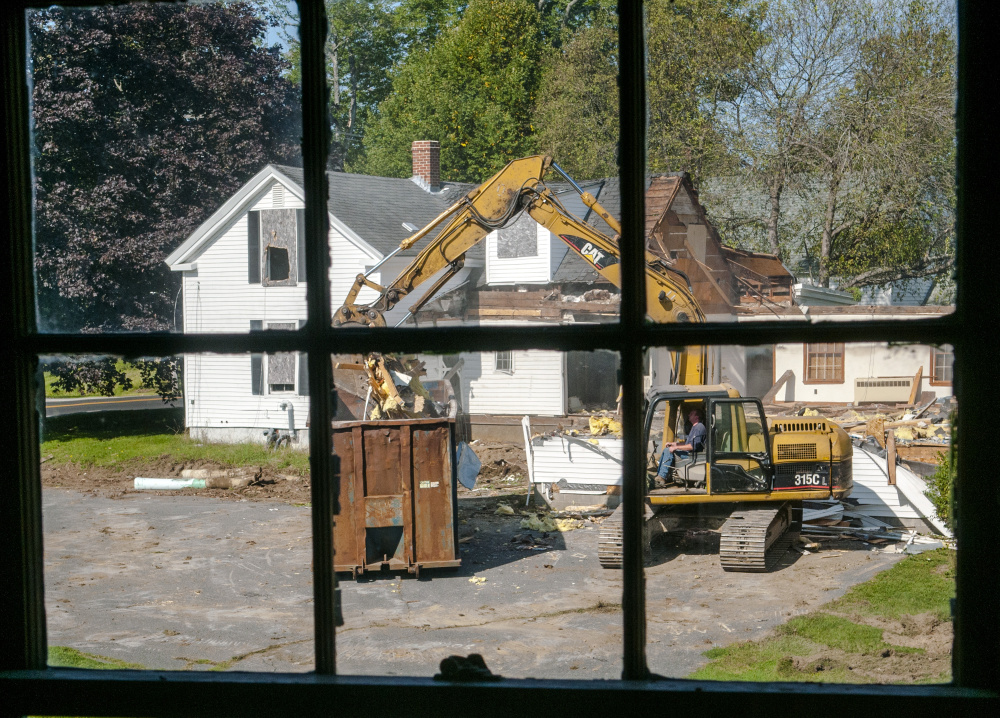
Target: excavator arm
x=517, y=188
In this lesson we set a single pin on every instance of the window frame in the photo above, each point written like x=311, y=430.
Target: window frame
x=29, y=686
x=508, y=360
x=839, y=379
x=932, y=374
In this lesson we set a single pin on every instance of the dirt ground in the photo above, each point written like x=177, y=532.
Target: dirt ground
x=691, y=605
x=503, y=471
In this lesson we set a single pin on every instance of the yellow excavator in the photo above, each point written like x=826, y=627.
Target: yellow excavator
x=750, y=477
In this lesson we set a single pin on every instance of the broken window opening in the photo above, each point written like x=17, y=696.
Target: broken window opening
x=276, y=262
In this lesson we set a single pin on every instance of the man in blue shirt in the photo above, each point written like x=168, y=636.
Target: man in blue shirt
x=676, y=454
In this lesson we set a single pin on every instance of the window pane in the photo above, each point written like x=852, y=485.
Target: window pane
x=177, y=533
x=473, y=511
x=442, y=190
x=167, y=167
x=800, y=154
x=785, y=517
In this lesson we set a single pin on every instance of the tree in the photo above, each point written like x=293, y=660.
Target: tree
x=809, y=53
x=698, y=51
x=145, y=118
x=886, y=154
x=577, y=112
x=473, y=91
x=364, y=42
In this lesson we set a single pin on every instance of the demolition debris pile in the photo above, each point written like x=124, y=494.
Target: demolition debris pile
x=915, y=435
x=385, y=386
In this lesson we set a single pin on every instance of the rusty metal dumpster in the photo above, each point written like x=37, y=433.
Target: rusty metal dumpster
x=398, y=498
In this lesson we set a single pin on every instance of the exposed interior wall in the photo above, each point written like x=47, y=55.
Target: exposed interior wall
x=861, y=360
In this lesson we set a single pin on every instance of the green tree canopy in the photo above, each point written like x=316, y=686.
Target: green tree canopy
x=473, y=91
x=698, y=52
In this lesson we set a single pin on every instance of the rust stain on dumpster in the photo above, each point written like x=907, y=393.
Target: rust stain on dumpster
x=400, y=475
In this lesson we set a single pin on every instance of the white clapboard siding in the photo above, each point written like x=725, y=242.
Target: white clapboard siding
x=536, y=386
x=519, y=270
x=576, y=460
x=875, y=496
x=218, y=394
x=218, y=298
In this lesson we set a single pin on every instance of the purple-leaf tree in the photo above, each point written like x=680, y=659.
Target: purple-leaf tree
x=145, y=119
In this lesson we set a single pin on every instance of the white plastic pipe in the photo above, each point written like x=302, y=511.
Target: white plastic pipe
x=161, y=484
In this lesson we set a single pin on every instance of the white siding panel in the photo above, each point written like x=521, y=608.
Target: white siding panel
x=577, y=460
x=217, y=394
x=875, y=496
x=535, y=387
x=519, y=270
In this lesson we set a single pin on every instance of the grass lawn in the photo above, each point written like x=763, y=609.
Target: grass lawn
x=65, y=657
x=116, y=439
x=801, y=649
x=130, y=371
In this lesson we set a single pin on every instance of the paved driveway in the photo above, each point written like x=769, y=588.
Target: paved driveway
x=191, y=582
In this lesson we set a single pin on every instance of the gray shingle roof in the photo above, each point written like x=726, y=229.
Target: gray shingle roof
x=376, y=207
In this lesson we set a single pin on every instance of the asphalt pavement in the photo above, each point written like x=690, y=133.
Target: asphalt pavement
x=191, y=582
x=60, y=407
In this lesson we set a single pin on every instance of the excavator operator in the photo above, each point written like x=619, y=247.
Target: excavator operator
x=676, y=453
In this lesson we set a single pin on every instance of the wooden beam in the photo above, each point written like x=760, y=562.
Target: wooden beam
x=915, y=390
x=768, y=398
x=890, y=456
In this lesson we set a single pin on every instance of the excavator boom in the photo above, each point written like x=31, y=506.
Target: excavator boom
x=519, y=187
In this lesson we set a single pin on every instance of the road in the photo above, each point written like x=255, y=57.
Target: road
x=60, y=407
x=190, y=582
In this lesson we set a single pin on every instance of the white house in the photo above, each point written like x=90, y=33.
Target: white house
x=243, y=270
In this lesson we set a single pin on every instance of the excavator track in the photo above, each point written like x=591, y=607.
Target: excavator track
x=609, y=541
x=755, y=539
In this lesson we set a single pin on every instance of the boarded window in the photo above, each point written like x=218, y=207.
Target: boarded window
x=942, y=362
x=824, y=363
x=519, y=239
x=504, y=362
x=279, y=243
x=281, y=366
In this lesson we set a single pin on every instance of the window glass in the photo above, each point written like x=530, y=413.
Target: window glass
x=808, y=533
x=473, y=159
x=176, y=512
x=800, y=154
x=167, y=169
x=474, y=508
x=942, y=365
x=824, y=362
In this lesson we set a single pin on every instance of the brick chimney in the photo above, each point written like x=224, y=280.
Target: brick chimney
x=427, y=164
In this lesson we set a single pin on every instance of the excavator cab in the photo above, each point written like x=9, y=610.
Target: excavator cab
x=739, y=452
x=736, y=454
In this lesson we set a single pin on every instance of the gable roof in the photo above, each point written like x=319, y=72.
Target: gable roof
x=369, y=210
x=375, y=208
